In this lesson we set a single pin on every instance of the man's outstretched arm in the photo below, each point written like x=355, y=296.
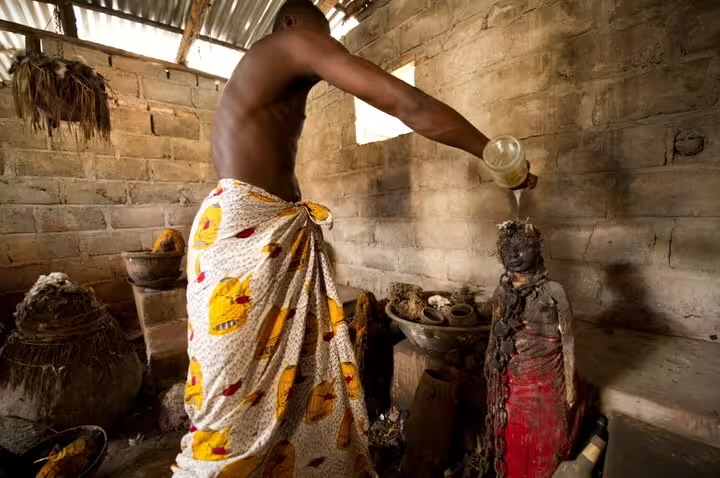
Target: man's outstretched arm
x=322, y=56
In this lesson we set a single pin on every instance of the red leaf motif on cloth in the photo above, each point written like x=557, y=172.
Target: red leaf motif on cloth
x=245, y=233
x=219, y=451
x=193, y=429
x=218, y=191
x=328, y=336
x=232, y=388
x=316, y=462
x=242, y=299
x=200, y=277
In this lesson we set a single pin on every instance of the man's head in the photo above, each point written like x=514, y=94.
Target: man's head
x=300, y=14
x=520, y=247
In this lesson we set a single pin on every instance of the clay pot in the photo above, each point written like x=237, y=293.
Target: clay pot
x=462, y=315
x=145, y=267
x=431, y=316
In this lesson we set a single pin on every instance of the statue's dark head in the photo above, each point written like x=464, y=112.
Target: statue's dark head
x=520, y=247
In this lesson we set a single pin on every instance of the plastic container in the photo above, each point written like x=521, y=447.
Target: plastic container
x=505, y=158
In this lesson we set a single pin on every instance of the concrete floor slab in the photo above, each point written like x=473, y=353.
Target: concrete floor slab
x=671, y=382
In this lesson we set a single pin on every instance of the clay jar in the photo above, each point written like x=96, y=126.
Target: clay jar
x=462, y=315
x=431, y=316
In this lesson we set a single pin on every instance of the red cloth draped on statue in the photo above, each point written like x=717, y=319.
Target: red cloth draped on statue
x=540, y=430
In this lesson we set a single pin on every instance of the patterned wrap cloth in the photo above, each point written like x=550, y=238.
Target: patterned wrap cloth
x=273, y=389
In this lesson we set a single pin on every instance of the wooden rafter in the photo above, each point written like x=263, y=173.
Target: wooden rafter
x=326, y=5
x=43, y=34
x=145, y=21
x=193, y=25
x=67, y=18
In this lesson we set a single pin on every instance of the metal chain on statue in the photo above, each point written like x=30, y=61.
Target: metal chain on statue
x=500, y=349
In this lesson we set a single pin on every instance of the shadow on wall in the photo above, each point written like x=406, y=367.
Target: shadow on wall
x=626, y=292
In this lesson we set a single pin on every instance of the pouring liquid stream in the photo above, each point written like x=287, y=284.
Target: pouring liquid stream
x=517, y=193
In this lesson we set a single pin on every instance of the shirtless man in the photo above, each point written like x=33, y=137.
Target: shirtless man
x=273, y=388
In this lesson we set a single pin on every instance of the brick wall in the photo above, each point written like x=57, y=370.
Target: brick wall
x=617, y=103
x=74, y=211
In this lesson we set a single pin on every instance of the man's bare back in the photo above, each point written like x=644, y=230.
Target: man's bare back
x=261, y=115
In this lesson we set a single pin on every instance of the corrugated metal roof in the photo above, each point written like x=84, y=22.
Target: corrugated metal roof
x=231, y=23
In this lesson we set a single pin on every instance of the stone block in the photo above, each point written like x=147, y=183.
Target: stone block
x=160, y=307
x=384, y=52
x=583, y=282
x=487, y=202
x=624, y=243
x=181, y=215
x=68, y=218
x=176, y=126
x=395, y=233
x=175, y=171
x=93, y=192
x=635, y=49
x=168, y=368
x=441, y=234
x=661, y=301
x=166, y=91
x=699, y=33
x=131, y=121
x=422, y=262
x=696, y=139
x=466, y=267
x=569, y=241
x=121, y=82
x=41, y=247
x=184, y=77
x=145, y=68
x=107, y=167
x=40, y=163
x=369, y=30
x=378, y=258
x=141, y=146
x=207, y=121
x=425, y=26
x=206, y=99
x=483, y=238
x=641, y=146
x=166, y=337
x=90, y=56
x=152, y=193
x=670, y=192
x=409, y=365
x=355, y=230
x=19, y=135
x=696, y=246
x=190, y=150
x=115, y=291
x=664, y=91
x=525, y=76
x=111, y=242
x=29, y=191
x=7, y=103
x=133, y=217
x=588, y=196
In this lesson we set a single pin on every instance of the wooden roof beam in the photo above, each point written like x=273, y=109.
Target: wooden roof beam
x=326, y=5
x=193, y=25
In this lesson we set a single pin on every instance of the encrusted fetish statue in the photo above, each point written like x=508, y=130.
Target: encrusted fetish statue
x=533, y=413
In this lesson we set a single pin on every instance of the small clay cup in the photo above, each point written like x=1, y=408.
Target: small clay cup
x=431, y=316
x=462, y=315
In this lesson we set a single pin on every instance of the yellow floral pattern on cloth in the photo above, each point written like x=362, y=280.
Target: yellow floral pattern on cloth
x=272, y=389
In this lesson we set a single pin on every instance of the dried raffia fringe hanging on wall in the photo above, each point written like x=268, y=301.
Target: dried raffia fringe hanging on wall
x=48, y=90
